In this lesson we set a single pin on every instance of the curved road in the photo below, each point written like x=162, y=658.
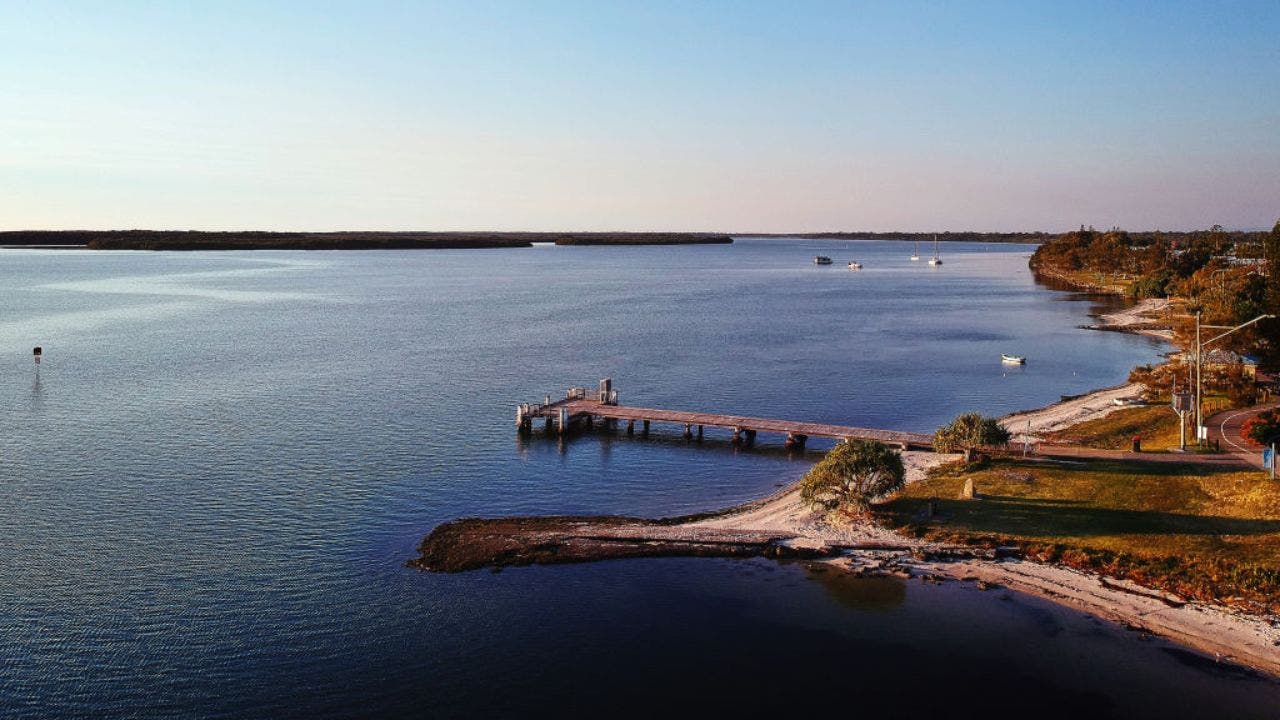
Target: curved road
x=1226, y=426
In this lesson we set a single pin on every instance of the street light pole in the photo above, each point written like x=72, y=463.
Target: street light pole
x=1199, y=349
x=1199, y=352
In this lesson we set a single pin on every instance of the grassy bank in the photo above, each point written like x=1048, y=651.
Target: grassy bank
x=1195, y=531
x=1157, y=425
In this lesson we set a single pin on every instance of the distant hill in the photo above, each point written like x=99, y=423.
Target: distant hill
x=263, y=240
x=965, y=236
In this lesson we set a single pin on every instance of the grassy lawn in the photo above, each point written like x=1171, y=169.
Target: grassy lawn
x=1193, y=530
x=1157, y=425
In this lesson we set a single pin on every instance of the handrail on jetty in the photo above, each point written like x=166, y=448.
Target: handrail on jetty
x=580, y=407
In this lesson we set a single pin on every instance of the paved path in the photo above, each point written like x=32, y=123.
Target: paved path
x=1168, y=458
x=1226, y=426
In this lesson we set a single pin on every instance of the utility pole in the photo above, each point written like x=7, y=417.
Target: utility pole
x=1200, y=350
x=1198, y=388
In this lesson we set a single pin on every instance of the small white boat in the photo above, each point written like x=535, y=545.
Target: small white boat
x=1013, y=359
x=855, y=265
x=821, y=260
x=935, y=260
x=916, y=255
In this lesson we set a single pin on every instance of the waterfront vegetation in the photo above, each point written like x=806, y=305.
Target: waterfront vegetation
x=1226, y=277
x=969, y=431
x=1200, y=532
x=851, y=475
x=355, y=240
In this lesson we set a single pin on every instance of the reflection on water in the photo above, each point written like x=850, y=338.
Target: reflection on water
x=859, y=593
x=37, y=394
x=212, y=489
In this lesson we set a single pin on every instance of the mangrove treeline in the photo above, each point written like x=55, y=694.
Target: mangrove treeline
x=263, y=240
x=1227, y=277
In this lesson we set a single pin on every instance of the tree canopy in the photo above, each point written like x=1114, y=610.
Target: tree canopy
x=853, y=474
x=969, y=431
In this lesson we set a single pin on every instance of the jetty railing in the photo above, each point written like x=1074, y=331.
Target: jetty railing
x=581, y=407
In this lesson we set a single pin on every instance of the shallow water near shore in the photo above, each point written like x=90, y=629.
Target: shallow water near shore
x=212, y=486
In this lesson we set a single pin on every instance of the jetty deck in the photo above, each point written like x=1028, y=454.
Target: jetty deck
x=582, y=408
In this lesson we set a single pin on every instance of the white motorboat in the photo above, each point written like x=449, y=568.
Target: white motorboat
x=855, y=265
x=1013, y=359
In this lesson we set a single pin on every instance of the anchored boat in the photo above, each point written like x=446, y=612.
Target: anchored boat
x=821, y=260
x=1013, y=359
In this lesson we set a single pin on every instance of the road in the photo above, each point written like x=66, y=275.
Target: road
x=1225, y=427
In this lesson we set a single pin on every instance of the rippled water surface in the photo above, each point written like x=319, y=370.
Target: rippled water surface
x=211, y=487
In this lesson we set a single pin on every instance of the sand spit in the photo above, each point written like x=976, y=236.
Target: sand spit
x=782, y=526
x=1145, y=318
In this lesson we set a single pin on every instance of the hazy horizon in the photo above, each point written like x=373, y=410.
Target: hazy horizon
x=717, y=117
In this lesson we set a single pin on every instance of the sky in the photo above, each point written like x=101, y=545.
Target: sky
x=716, y=116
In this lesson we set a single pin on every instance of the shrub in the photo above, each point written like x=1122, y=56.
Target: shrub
x=969, y=431
x=853, y=474
x=1263, y=427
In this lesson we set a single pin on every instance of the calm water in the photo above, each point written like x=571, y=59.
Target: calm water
x=210, y=490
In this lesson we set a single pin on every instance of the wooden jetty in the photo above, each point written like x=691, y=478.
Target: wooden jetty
x=581, y=407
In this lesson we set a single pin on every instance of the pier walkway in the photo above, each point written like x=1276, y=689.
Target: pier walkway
x=580, y=407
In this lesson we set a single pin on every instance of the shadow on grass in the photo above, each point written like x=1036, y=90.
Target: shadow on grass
x=1041, y=518
x=1135, y=467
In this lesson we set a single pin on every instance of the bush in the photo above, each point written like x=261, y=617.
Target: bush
x=969, y=431
x=1263, y=427
x=853, y=474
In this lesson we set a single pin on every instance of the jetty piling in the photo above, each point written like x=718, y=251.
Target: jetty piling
x=579, y=407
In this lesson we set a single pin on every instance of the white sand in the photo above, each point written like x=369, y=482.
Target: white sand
x=1220, y=632
x=1031, y=424
x=1132, y=319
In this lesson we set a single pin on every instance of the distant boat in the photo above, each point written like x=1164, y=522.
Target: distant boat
x=821, y=260
x=935, y=260
x=916, y=255
x=1013, y=359
x=855, y=265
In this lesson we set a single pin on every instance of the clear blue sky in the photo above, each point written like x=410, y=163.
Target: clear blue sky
x=727, y=116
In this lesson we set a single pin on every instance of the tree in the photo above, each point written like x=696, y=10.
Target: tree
x=853, y=474
x=969, y=431
x=1263, y=427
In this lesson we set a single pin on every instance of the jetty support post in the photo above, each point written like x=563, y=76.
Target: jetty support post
x=631, y=427
x=737, y=436
x=688, y=431
x=795, y=441
x=699, y=433
x=563, y=420
x=646, y=428
x=751, y=438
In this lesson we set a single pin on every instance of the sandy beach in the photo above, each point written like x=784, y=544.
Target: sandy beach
x=782, y=525
x=1029, y=425
x=1148, y=318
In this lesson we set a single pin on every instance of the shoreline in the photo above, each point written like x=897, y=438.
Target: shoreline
x=782, y=526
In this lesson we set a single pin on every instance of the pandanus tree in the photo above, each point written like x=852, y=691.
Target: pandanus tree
x=853, y=474
x=969, y=432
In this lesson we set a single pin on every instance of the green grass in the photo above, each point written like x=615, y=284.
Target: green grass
x=1157, y=425
x=1194, y=530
